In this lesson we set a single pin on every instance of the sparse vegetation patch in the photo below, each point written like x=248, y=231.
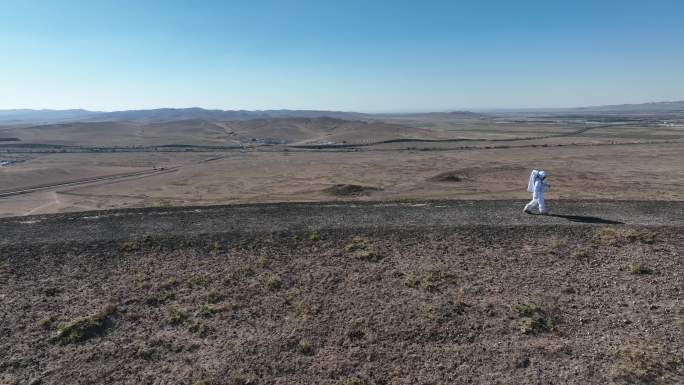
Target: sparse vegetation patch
x=214, y=296
x=5, y=268
x=536, y=319
x=174, y=316
x=216, y=247
x=83, y=328
x=640, y=269
x=304, y=347
x=129, y=246
x=169, y=283
x=364, y=249
x=159, y=298
x=357, y=329
x=241, y=273
x=44, y=322
x=274, y=283
x=198, y=327
x=556, y=247
x=583, y=254
x=648, y=366
x=262, y=261
x=445, y=303
x=208, y=310
x=431, y=280
x=617, y=237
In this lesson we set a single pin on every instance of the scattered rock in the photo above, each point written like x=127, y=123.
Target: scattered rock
x=449, y=176
x=350, y=190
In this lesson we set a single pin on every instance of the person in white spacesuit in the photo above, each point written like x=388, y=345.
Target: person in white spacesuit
x=537, y=185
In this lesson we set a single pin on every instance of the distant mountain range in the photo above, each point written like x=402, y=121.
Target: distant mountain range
x=29, y=116
x=675, y=107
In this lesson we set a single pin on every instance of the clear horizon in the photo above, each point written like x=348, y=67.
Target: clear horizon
x=357, y=56
x=495, y=109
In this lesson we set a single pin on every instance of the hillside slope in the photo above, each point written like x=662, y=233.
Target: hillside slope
x=398, y=295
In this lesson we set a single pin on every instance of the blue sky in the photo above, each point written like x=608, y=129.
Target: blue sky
x=340, y=55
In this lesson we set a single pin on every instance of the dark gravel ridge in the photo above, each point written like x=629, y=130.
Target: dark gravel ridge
x=253, y=218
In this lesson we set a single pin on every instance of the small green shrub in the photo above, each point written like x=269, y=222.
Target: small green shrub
x=129, y=246
x=274, y=283
x=198, y=327
x=200, y=281
x=44, y=322
x=526, y=309
x=357, y=243
x=174, y=316
x=304, y=347
x=208, y=311
x=536, y=319
x=156, y=299
x=5, y=268
x=314, y=236
x=205, y=311
x=262, y=262
x=216, y=247
x=214, y=296
x=245, y=271
x=356, y=329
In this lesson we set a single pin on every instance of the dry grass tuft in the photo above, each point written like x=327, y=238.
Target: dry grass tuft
x=648, y=366
x=430, y=280
x=83, y=328
x=582, y=254
x=618, y=237
x=263, y=262
x=364, y=249
x=640, y=269
x=129, y=246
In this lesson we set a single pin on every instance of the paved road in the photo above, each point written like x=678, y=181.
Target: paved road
x=128, y=223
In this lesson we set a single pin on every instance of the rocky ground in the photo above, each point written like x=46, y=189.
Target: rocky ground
x=269, y=295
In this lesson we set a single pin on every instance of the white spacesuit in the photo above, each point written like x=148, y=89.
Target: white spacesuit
x=536, y=185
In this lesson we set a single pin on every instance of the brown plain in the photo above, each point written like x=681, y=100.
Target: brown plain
x=486, y=159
